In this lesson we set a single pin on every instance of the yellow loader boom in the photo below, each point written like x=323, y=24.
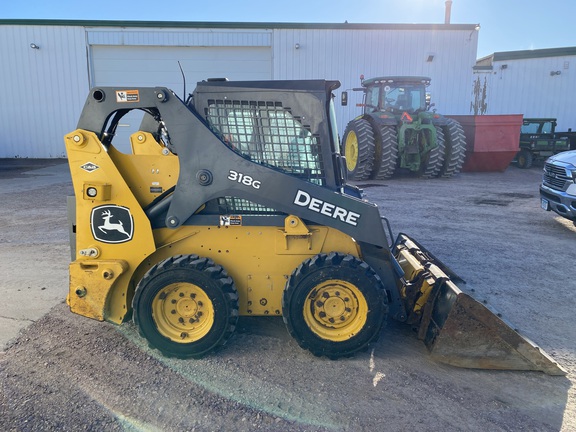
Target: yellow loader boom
x=235, y=203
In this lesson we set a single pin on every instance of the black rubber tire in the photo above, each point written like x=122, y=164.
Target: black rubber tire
x=455, y=142
x=361, y=130
x=524, y=159
x=387, y=152
x=435, y=160
x=207, y=278
x=333, y=271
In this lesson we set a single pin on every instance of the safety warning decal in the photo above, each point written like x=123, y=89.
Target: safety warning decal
x=112, y=224
x=127, y=96
x=230, y=220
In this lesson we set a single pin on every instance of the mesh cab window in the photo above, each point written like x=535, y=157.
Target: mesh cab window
x=268, y=133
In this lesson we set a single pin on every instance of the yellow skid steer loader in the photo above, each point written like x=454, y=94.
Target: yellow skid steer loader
x=235, y=202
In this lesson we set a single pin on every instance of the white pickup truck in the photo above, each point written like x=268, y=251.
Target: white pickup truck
x=558, y=188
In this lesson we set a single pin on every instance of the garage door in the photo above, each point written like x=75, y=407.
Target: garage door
x=146, y=66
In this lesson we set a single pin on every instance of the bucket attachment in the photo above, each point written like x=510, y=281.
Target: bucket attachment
x=457, y=329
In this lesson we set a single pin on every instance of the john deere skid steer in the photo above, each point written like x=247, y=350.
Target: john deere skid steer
x=235, y=203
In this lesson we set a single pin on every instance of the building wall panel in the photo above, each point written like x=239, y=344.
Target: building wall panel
x=47, y=87
x=346, y=54
x=526, y=86
x=166, y=37
x=43, y=89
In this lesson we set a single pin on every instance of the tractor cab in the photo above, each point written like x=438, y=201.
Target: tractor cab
x=396, y=94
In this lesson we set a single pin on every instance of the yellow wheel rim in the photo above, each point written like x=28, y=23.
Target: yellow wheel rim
x=183, y=312
x=335, y=310
x=351, y=151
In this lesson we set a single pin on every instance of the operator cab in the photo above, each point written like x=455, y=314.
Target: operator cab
x=395, y=94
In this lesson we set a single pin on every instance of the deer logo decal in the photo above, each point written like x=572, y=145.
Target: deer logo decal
x=112, y=224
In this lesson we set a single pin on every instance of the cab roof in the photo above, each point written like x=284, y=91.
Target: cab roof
x=396, y=79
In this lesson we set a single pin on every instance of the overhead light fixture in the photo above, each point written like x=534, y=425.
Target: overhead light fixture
x=430, y=58
x=476, y=28
x=297, y=46
x=34, y=46
x=552, y=73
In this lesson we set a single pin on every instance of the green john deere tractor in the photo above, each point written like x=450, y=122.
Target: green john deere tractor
x=397, y=130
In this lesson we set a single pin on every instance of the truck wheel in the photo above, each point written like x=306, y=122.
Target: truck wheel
x=524, y=159
x=186, y=306
x=334, y=305
x=358, y=148
x=455, y=142
x=387, y=138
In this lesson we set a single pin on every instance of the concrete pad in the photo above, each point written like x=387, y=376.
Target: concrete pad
x=34, y=247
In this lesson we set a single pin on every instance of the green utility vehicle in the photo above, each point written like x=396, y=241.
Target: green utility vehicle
x=397, y=130
x=538, y=141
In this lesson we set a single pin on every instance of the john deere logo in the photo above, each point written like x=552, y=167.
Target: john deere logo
x=112, y=224
x=89, y=167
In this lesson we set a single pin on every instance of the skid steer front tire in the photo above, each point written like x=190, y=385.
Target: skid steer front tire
x=334, y=305
x=186, y=306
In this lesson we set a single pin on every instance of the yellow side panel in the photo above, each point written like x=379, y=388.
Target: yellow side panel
x=110, y=225
x=255, y=257
x=90, y=283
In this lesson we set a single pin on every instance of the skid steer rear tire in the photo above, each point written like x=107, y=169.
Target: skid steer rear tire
x=186, y=306
x=334, y=305
x=359, y=146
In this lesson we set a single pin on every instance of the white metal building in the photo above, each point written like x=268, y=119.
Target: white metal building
x=48, y=67
x=536, y=83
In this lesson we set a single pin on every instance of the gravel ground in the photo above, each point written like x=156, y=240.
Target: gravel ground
x=65, y=372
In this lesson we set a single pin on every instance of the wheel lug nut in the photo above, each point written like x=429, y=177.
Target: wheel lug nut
x=322, y=314
x=181, y=294
x=191, y=320
x=173, y=301
x=319, y=304
x=331, y=320
x=346, y=299
x=199, y=314
x=325, y=295
x=173, y=311
x=181, y=320
x=183, y=335
x=200, y=304
x=348, y=310
x=342, y=318
x=337, y=293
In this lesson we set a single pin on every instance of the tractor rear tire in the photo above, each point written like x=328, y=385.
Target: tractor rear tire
x=455, y=141
x=524, y=159
x=358, y=148
x=186, y=306
x=334, y=305
x=387, y=144
x=435, y=160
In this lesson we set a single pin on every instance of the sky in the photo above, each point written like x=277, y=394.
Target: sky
x=505, y=25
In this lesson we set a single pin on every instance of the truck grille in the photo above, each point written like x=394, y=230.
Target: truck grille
x=556, y=177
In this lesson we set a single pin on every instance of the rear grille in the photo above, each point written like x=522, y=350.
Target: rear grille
x=556, y=177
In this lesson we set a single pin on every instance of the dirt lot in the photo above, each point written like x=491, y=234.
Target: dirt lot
x=66, y=372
